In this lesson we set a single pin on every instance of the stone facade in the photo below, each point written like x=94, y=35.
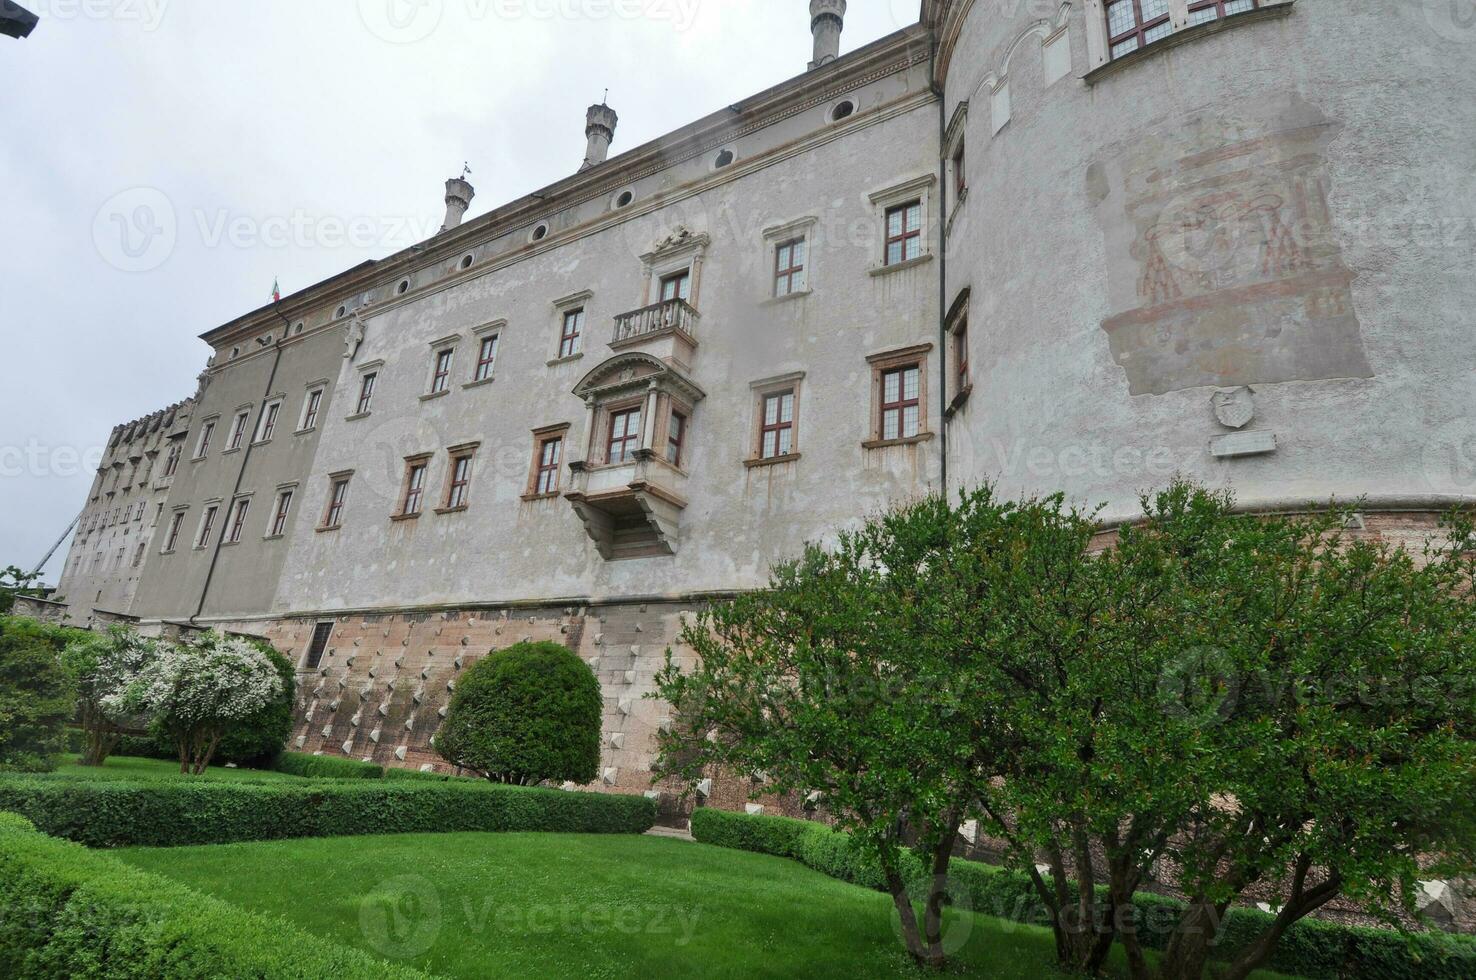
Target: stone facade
x=1208, y=256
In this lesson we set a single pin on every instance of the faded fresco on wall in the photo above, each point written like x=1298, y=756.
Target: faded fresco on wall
x=1223, y=268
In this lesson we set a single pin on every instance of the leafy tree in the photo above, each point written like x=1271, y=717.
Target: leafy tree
x=848, y=676
x=526, y=715
x=16, y=582
x=196, y=691
x=36, y=695
x=102, y=665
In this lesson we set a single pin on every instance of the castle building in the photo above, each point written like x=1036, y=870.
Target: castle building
x=1074, y=246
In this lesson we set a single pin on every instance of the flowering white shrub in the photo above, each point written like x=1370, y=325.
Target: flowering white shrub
x=195, y=690
x=103, y=666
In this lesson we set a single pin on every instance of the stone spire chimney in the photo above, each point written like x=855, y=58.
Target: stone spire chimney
x=827, y=18
x=600, y=131
x=459, y=196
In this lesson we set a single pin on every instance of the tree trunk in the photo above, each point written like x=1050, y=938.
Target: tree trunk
x=1189, y=950
x=937, y=893
x=911, y=936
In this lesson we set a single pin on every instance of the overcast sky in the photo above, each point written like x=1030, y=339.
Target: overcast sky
x=291, y=139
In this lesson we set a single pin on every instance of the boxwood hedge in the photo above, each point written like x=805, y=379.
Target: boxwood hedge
x=1312, y=948
x=121, y=813
x=326, y=767
x=69, y=912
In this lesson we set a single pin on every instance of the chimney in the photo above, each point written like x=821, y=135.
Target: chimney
x=827, y=18
x=459, y=196
x=600, y=131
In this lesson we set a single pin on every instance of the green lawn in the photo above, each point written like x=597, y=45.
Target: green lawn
x=128, y=767
x=516, y=905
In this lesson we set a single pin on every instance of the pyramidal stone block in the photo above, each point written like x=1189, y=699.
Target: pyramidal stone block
x=704, y=787
x=441, y=711
x=630, y=677
x=301, y=740
x=568, y=787
x=617, y=740
x=610, y=775
x=427, y=768
x=410, y=724
x=754, y=809
x=401, y=752
x=374, y=736
x=625, y=705
x=327, y=731
x=348, y=747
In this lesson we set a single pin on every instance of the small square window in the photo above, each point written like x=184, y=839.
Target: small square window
x=571, y=341
x=899, y=395
x=486, y=358
x=789, y=267
x=337, y=498
x=776, y=425
x=678, y=285
x=904, y=232
x=279, y=517
x=238, y=521
x=548, y=460
x=366, y=393
x=441, y=376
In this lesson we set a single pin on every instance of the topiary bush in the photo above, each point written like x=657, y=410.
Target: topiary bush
x=326, y=767
x=71, y=912
x=526, y=715
x=122, y=813
x=37, y=695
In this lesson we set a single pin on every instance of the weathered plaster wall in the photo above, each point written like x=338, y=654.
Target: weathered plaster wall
x=738, y=519
x=1286, y=203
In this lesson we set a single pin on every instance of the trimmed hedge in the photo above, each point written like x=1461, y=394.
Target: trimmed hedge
x=119, y=813
x=1312, y=948
x=413, y=775
x=326, y=767
x=70, y=912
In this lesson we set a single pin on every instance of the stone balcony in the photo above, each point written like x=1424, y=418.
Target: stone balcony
x=667, y=330
x=630, y=510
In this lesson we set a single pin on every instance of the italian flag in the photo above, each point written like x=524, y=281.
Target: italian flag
x=276, y=292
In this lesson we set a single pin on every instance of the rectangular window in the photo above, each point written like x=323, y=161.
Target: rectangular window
x=625, y=435
x=677, y=286
x=238, y=430
x=548, y=462
x=337, y=497
x=904, y=232
x=171, y=462
x=279, y=518
x=138, y=555
x=1132, y=24
x=413, y=500
x=569, y=342
x=776, y=431
x=789, y=267
x=1204, y=11
x=442, y=375
x=322, y=633
x=901, y=404
x=486, y=358
x=366, y=393
x=961, y=357
x=207, y=526
x=269, y=417
x=203, y=447
x=676, y=435
x=459, y=489
x=960, y=178
x=238, y=521
x=310, y=409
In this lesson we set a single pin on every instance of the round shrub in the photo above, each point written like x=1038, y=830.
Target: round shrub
x=526, y=715
x=257, y=740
